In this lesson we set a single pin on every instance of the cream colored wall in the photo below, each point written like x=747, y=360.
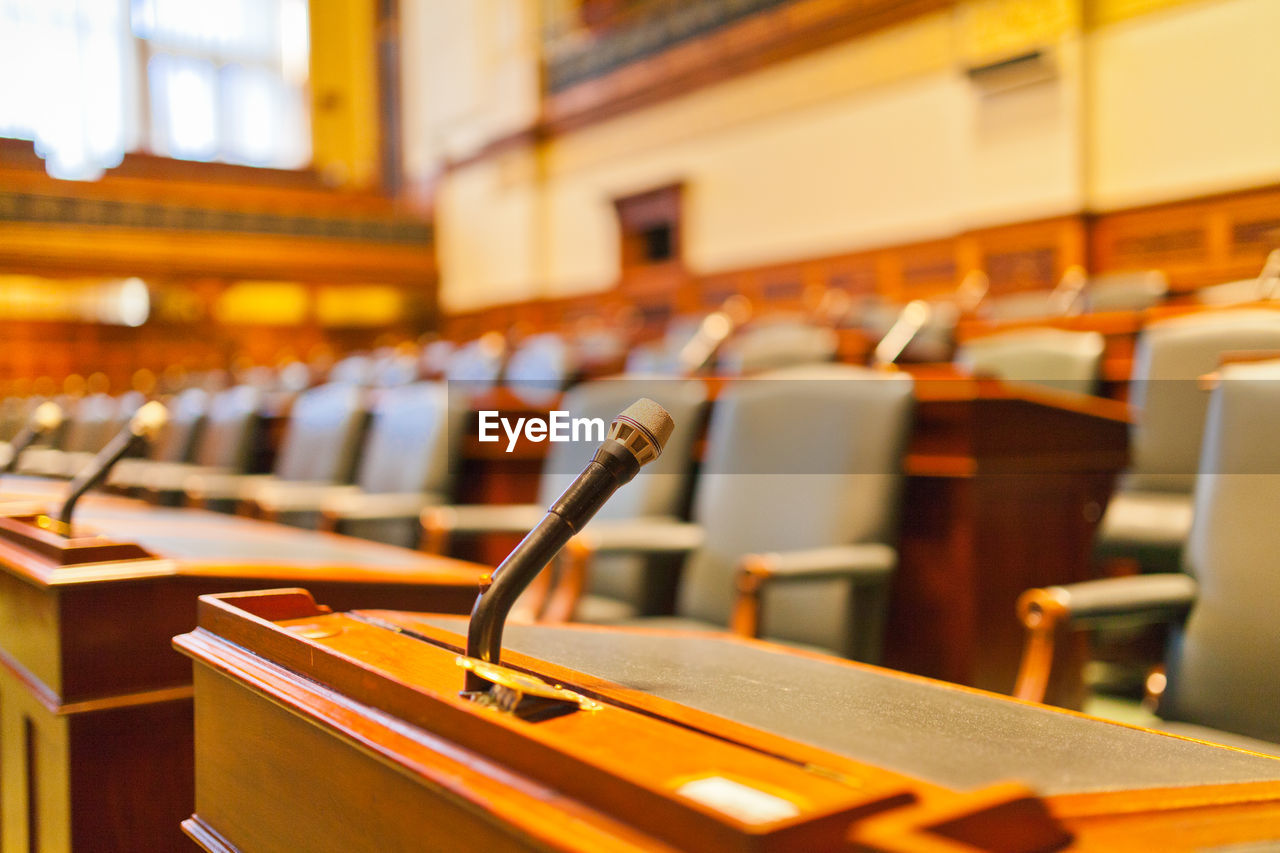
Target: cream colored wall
x=1185, y=101
x=469, y=75
x=880, y=140
x=486, y=233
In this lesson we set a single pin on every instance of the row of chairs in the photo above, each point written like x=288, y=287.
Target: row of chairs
x=797, y=490
x=804, y=474
x=1220, y=680
x=409, y=440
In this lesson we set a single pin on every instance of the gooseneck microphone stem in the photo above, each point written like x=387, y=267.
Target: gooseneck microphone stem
x=46, y=418
x=94, y=473
x=143, y=426
x=613, y=466
x=20, y=442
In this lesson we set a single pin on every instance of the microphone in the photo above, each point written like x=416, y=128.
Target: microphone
x=45, y=419
x=913, y=317
x=144, y=426
x=636, y=437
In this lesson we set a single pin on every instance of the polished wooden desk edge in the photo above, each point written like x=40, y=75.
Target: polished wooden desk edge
x=233, y=641
x=26, y=551
x=240, y=621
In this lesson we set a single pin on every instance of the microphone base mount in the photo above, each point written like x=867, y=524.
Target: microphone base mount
x=518, y=693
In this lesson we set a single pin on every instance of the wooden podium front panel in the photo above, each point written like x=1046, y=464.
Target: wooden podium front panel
x=321, y=794
x=337, y=711
x=589, y=780
x=97, y=713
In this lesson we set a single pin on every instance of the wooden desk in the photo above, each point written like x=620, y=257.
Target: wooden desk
x=345, y=732
x=95, y=706
x=1005, y=485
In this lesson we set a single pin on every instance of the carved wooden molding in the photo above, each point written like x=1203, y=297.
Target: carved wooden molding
x=681, y=47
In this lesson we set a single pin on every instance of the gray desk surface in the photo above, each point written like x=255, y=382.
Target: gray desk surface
x=929, y=730
x=188, y=534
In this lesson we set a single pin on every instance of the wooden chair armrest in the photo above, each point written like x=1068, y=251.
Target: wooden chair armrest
x=1156, y=597
x=866, y=563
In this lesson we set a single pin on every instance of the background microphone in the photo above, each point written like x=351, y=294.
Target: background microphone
x=636, y=437
x=45, y=419
x=144, y=426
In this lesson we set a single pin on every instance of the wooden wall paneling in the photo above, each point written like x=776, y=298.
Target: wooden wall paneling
x=190, y=230
x=713, y=290
x=1175, y=240
x=1027, y=256
x=787, y=287
x=855, y=273
x=923, y=270
x=1197, y=242
x=643, y=62
x=1253, y=226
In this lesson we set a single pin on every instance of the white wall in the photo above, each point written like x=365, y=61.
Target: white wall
x=1185, y=102
x=470, y=75
x=877, y=141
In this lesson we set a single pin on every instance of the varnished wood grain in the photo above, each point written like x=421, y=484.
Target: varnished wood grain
x=333, y=712
x=86, y=662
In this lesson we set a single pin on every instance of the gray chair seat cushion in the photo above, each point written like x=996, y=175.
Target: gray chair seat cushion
x=1147, y=518
x=599, y=610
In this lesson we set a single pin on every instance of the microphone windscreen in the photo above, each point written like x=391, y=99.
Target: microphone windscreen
x=150, y=419
x=650, y=417
x=47, y=416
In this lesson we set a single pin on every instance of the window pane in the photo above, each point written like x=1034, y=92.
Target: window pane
x=236, y=29
x=226, y=79
x=64, y=63
x=183, y=107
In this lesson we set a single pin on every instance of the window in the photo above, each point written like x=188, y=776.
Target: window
x=88, y=80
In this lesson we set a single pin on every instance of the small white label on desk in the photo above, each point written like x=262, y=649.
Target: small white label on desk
x=747, y=804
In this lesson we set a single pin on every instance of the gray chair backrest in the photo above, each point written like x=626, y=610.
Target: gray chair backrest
x=478, y=363
x=354, y=370
x=395, y=369
x=597, y=345
x=1126, y=291
x=178, y=439
x=777, y=344
x=1068, y=361
x=95, y=421
x=15, y=413
x=323, y=435
x=799, y=458
x=434, y=359
x=660, y=489
x=1223, y=669
x=1230, y=293
x=660, y=485
x=226, y=441
x=540, y=367
x=410, y=440
x=10, y=417
x=1020, y=305
x=1171, y=355
x=662, y=356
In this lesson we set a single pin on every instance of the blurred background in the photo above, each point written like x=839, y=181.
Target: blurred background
x=199, y=186
x=291, y=220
